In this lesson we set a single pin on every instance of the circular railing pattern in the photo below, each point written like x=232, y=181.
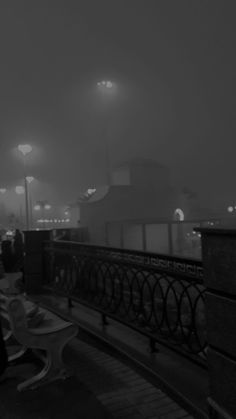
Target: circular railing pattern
x=168, y=307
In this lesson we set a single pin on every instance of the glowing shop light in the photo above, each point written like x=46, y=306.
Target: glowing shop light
x=20, y=190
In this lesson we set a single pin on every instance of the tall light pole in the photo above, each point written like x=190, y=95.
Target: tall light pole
x=29, y=180
x=106, y=87
x=25, y=149
x=3, y=215
x=20, y=190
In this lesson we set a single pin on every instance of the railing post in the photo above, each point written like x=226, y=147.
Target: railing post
x=33, y=259
x=69, y=302
x=152, y=344
x=104, y=320
x=219, y=264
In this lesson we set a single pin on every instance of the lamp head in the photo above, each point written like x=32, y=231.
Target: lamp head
x=29, y=179
x=25, y=148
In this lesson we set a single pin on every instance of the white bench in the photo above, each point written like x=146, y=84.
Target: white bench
x=48, y=338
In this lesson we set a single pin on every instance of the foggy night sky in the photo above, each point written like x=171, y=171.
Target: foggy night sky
x=174, y=65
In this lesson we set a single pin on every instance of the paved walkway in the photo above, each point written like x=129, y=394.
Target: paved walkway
x=180, y=379
x=123, y=392
x=103, y=387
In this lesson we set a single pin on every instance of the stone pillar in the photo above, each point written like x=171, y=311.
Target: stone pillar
x=219, y=264
x=33, y=260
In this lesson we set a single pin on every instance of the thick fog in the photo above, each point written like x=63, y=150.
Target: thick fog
x=173, y=66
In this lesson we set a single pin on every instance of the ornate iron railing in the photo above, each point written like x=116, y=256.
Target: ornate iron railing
x=161, y=297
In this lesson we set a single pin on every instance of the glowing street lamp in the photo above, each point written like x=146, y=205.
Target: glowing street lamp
x=25, y=149
x=29, y=179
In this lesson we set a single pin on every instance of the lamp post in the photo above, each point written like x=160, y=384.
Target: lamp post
x=3, y=215
x=106, y=87
x=29, y=180
x=42, y=205
x=25, y=149
x=20, y=190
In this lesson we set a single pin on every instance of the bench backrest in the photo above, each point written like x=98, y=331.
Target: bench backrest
x=17, y=317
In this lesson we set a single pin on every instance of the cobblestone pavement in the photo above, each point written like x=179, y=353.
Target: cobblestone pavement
x=123, y=392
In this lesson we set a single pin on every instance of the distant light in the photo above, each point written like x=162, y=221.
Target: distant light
x=230, y=209
x=66, y=212
x=29, y=179
x=3, y=190
x=179, y=212
x=25, y=148
x=42, y=205
x=105, y=83
x=67, y=220
x=91, y=191
x=20, y=190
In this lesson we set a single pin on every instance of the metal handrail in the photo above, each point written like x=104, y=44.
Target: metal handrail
x=164, y=302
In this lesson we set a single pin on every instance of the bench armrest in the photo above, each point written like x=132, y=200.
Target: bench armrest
x=46, y=329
